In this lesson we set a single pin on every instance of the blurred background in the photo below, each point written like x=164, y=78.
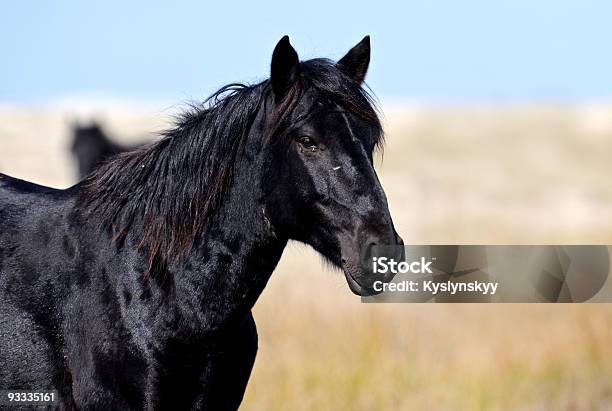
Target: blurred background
x=498, y=118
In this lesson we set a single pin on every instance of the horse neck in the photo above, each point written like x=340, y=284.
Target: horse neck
x=231, y=261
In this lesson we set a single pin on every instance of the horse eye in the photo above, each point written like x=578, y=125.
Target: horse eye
x=308, y=142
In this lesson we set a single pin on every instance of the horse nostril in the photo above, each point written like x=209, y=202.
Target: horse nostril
x=371, y=245
x=343, y=261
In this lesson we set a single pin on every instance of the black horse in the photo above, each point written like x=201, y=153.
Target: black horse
x=91, y=147
x=134, y=288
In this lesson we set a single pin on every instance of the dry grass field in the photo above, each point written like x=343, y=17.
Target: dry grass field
x=469, y=175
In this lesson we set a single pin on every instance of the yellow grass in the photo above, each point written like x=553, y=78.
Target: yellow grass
x=488, y=175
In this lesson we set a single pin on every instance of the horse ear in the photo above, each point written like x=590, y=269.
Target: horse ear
x=284, y=68
x=355, y=63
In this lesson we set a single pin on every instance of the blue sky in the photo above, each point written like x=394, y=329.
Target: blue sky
x=438, y=51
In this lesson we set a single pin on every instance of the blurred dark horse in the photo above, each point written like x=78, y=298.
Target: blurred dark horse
x=91, y=147
x=133, y=289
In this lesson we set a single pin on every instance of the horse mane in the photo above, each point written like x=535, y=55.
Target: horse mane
x=172, y=187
